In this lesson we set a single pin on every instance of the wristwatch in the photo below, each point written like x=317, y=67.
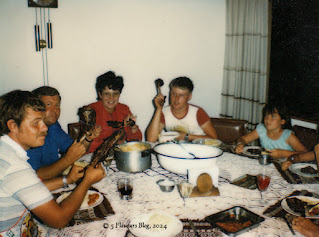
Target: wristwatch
x=186, y=137
x=65, y=183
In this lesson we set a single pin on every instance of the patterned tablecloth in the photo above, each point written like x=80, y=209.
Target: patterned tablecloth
x=148, y=197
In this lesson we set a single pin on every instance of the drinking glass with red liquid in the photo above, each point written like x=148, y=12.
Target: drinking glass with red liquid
x=125, y=188
x=263, y=181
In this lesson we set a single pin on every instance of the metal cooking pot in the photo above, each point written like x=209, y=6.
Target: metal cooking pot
x=131, y=158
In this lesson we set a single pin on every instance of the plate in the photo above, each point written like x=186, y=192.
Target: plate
x=85, y=204
x=310, y=200
x=296, y=168
x=250, y=153
x=208, y=142
x=157, y=224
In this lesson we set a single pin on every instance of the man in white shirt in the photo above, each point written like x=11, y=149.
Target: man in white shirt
x=21, y=191
x=189, y=120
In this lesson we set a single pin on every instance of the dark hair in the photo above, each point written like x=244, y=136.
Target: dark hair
x=182, y=82
x=46, y=90
x=110, y=80
x=13, y=105
x=282, y=110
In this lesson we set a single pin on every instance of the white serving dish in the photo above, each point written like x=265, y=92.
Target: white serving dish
x=174, y=158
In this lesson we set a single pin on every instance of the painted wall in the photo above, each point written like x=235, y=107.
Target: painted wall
x=142, y=40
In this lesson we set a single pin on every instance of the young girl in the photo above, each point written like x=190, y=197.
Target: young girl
x=273, y=135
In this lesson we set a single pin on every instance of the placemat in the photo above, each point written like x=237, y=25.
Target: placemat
x=203, y=228
x=293, y=178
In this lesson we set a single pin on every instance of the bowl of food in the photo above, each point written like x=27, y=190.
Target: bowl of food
x=178, y=158
x=166, y=185
x=208, y=141
x=167, y=136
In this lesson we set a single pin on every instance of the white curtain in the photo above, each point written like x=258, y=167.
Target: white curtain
x=246, y=70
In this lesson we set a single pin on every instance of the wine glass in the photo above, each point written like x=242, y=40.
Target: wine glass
x=263, y=181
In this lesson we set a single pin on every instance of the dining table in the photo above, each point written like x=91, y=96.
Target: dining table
x=147, y=197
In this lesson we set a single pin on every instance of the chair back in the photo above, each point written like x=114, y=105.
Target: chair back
x=307, y=136
x=74, y=130
x=229, y=130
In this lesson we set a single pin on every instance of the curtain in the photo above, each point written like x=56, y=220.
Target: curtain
x=246, y=65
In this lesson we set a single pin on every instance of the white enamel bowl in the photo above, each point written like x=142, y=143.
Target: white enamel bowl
x=174, y=158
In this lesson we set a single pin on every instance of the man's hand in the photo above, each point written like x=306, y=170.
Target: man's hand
x=159, y=101
x=94, y=175
x=76, y=150
x=75, y=174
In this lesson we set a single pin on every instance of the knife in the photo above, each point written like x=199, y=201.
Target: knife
x=287, y=222
x=193, y=228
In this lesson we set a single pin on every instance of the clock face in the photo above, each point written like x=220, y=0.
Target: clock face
x=43, y=3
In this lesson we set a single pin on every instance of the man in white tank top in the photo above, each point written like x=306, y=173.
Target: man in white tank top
x=190, y=121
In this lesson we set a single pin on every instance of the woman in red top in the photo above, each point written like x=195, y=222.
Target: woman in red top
x=109, y=87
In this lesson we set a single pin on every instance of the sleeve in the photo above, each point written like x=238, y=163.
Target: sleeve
x=64, y=139
x=286, y=134
x=35, y=157
x=162, y=118
x=202, y=116
x=26, y=187
x=261, y=130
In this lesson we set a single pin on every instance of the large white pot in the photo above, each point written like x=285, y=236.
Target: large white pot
x=174, y=158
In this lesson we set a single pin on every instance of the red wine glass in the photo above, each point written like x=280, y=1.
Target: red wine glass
x=263, y=181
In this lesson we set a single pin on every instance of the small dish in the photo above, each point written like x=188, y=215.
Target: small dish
x=166, y=185
x=167, y=136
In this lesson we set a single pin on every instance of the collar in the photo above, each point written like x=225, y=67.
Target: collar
x=18, y=149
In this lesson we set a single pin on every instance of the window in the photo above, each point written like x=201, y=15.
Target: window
x=294, y=61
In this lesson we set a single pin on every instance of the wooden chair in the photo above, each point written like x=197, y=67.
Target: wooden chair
x=74, y=130
x=307, y=136
x=229, y=130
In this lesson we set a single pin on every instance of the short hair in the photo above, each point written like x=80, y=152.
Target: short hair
x=183, y=83
x=13, y=105
x=282, y=110
x=110, y=80
x=46, y=91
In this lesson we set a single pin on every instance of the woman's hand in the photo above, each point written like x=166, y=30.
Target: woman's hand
x=276, y=153
x=95, y=132
x=239, y=148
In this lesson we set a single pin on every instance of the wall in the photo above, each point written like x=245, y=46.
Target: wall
x=142, y=40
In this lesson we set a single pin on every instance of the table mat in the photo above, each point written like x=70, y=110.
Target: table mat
x=203, y=228
x=92, y=214
x=277, y=211
x=293, y=178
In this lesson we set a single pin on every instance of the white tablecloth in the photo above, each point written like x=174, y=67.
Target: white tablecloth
x=148, y=197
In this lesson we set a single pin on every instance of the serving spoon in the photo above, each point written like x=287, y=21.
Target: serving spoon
x=192, y=154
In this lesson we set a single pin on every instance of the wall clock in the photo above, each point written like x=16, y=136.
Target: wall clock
x=43, y=3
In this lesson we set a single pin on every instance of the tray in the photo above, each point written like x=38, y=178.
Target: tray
x=235, y=214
